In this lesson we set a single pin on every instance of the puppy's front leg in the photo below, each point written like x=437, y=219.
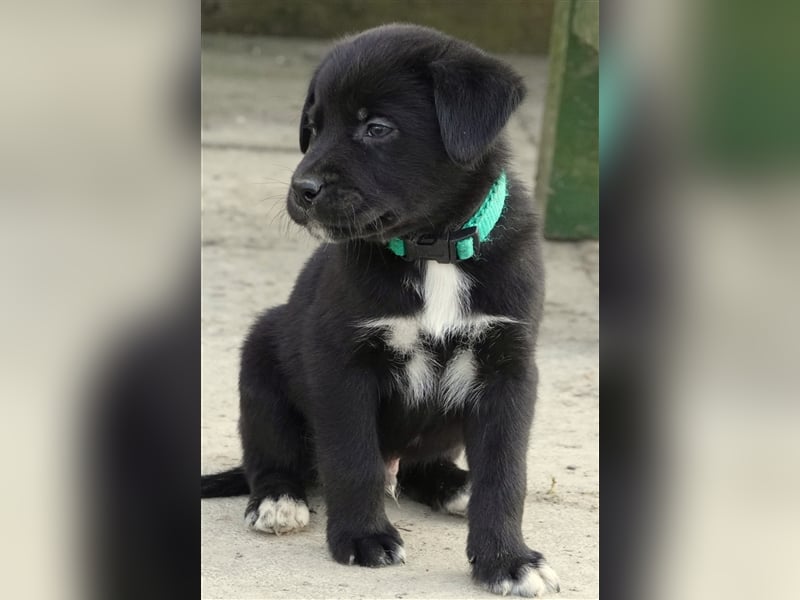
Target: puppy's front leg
x=496, y=432
x=353, y=474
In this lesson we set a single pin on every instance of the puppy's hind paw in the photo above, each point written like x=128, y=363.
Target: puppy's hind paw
x=281, y=515
x=457, y=505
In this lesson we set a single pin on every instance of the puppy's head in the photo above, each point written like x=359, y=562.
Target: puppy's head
x=397, y=122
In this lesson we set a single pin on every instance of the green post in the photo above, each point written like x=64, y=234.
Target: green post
x=567, y=182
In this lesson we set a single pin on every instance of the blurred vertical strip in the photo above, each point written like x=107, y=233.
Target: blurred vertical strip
x=700, y=344
x=142, y=426
x=99, y=295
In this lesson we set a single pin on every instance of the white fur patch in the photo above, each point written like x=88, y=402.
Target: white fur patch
x=445, y=296
x=279, y=516
x=403, y=335
x=458, y=380
x=419, y=373
x=458, y=504
x=532, y=583
x=444, y=291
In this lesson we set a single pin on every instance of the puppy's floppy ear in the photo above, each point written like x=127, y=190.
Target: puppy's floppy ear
x=475, y=95
x=305, y=133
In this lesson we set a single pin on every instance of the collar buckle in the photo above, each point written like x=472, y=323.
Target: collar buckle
x=442, y=250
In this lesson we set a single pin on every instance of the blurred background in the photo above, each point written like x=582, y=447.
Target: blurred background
x=513, y=26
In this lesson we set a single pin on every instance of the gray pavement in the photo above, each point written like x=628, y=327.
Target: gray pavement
x=253, y=90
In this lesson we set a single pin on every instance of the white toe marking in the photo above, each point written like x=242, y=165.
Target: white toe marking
x=532, y=583
x=549, y=576
x=279, y=516
x=457, y=505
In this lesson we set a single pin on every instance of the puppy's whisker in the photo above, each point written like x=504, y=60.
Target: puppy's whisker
x=279, y=166
x=268, y=181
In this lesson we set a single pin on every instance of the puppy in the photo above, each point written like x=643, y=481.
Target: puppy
x=410, y=335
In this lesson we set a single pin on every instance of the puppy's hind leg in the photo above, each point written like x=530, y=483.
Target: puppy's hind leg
x=440, y=484
x=273, y=436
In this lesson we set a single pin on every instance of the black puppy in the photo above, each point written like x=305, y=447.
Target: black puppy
x=411, y=336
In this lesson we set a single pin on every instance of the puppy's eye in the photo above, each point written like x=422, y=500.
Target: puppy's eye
x=312, y=129
x=378, y=130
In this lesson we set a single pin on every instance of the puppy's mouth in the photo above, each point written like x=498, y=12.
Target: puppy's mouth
x=346, y=222
x=370, y=229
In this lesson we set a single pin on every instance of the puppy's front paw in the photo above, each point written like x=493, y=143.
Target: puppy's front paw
x=277, y=515
x=528, y=575
x=369, y=550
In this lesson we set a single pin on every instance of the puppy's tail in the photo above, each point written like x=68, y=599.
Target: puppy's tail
x=228, y=483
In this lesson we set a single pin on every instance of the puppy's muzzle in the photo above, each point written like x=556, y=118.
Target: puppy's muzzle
x=333, y=212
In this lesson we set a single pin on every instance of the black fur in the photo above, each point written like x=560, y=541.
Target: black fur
x=318, y=396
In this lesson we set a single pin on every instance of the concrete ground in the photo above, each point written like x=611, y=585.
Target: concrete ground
x=253, y=89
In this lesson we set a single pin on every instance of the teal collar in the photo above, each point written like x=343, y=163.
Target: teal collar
x=464, y=243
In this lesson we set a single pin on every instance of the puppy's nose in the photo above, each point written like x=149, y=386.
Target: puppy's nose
x=306, y=189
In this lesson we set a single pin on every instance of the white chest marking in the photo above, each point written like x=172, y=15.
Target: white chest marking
x=445, y=296
x=445, y=313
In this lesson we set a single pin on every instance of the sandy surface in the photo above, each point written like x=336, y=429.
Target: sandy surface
x=252, y=93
